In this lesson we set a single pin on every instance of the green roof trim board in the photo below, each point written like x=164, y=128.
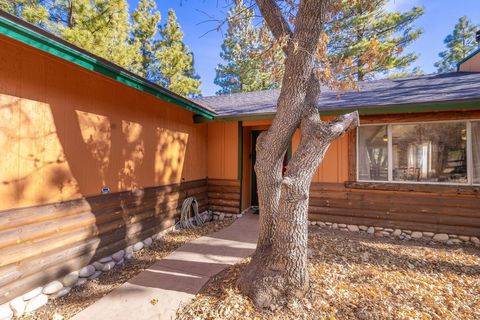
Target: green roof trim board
x=19, y=30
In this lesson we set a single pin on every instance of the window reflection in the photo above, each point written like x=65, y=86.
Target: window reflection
x=433, y=152
x=373, y=153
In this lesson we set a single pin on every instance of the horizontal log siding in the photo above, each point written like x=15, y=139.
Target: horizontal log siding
x=442, y=211
x=42, y=243
x=224, y=195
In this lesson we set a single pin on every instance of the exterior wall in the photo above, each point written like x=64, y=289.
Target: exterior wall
x=65, y=133
x=223, y=150
x=472, y=64
x=430, y=208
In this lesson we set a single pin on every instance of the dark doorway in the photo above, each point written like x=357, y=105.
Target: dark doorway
x=255, y=135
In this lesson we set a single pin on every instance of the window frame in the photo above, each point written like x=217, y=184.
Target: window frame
x=469, y=150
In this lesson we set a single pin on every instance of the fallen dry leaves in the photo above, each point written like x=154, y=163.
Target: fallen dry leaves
x=81, y=297
x=356, y=276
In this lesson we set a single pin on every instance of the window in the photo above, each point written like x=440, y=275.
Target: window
x=373, y=153
x=476, y=152
x=431, y=152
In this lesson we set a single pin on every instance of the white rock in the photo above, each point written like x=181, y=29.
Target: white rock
x=385, y=233
x=464, y=238
x=449, y=242
x=228, y=215
x=57, y=316
x=5, y=312
x=328, y=223
x=371, y=230
x=428, y=234
x=35, y=303
x=129, y=249
x=397, y=232
x=147, y=242
x=452, y=236
x=378, y=228
x=353, y=228
x=342, y=225
x=96, y=274
x=363, y=228
x=388, y=230
x=18, y=306
x=80, y=282
x=98, y=266
x=53, y=287
x=440, y=237
x=138, y=246
x=119, y=263
x=335, y=226
x=62, y=292
x=70, y=279
x=321, y=224
x=240, y=215
x=128, y=255
x=475, y=240
x=86, y=271
x=105, y=259
x=407, y=231
x=108, y=266
x=417, y=235
x=32, y=294
x=456, y=241
x=314, y=223
x=117, y=256
x=309, y=223
x=221, y=216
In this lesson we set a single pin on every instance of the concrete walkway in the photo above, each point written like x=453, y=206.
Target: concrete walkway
x=175, y=279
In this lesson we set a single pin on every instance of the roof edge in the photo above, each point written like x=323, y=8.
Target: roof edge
x=452, y=105
x=38, y=38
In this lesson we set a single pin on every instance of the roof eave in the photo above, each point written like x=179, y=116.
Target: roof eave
x=451, y=105
x=29, y=34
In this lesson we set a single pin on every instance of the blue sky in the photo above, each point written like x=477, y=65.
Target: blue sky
x=438, y=21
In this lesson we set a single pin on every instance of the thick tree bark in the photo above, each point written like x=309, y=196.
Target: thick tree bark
x=278, y=269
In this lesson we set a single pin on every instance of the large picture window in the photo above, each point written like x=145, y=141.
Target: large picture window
x=435, y=152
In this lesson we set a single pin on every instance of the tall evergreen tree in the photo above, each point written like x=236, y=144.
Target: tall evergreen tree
x=363, y=25
x=459, y=45
x=99, y=26
x=33, y=11
x=145, y=20
x=248, y=58
x=175, y=61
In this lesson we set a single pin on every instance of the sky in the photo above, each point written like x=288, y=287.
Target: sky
x=195, y=18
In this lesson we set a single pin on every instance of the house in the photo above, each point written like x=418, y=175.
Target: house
x=95, y=159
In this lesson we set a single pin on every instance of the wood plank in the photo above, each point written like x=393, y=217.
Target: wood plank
x=425, y=188
x=395, y=216
x=220, y=182
x=219, y=195
x=224, y=189
x=224, y=209
x=224, y=203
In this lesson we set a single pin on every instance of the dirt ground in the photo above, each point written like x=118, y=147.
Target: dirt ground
x=357, y=276
x=81, y=297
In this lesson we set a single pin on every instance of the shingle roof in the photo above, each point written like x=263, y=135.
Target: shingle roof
x=436, y=88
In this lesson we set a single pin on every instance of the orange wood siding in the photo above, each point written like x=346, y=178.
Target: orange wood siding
x=66, y=132
x=334, y=167
x=472, y=64
x=223, y=150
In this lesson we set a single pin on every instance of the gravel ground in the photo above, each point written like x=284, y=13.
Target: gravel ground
x=81, y=297
x=357, y=276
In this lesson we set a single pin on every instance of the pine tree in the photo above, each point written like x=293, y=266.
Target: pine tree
x=365, y=25
x=33, y=11
x=145, y=20
x=459, y=45
x=252, y=60
x=175, y=61
x=99, y=26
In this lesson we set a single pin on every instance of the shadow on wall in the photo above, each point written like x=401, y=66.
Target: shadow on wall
x=54, y=154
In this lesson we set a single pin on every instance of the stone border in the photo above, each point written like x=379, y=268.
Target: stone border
x=38, y=297
x=399, y=233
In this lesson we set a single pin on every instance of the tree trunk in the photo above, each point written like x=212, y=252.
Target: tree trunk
x=278, y=269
